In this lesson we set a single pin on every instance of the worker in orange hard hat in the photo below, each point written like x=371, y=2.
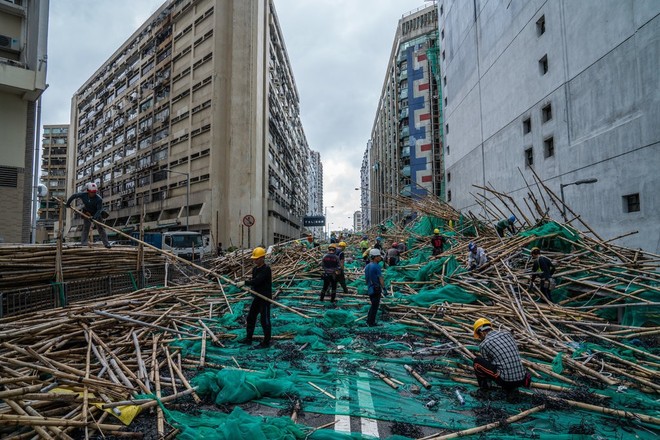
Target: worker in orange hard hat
x=262, y=283
x=92, y=209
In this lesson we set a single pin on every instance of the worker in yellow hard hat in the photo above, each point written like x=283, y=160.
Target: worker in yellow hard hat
x=499, y=359
x=262, y=283
x=437, y=242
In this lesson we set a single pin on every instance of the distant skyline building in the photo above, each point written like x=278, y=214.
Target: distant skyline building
x=405, y=150
x=357, y=221
x=315, y=196
x=569, y=89
x=54, y=146
x=194, y=121
x=23, y=64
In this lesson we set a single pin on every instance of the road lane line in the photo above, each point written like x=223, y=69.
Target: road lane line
x=342, y=407
x=369, y=426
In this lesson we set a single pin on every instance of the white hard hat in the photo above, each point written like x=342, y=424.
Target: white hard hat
x=91, y=186
x=374, y=253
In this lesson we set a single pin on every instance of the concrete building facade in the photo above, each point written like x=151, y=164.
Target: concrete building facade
x=570, y=89
x=23, y=45
x=194, y=122
x=54, y=146
x=405, y=154
x=315, y=197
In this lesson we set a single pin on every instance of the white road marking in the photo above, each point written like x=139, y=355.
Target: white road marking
x=369, y=426
x=342, y=407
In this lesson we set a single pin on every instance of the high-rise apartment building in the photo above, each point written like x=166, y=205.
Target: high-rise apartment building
x=357, y=221
x=23, y=37
x=194, y=122
x=569, y=89
x=315, y=196
x=405, y=154
x=54, y=146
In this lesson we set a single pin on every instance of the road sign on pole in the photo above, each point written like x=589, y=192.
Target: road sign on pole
x=248, y=220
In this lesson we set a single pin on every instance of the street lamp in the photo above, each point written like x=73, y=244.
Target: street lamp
x=187, y=192
x=561, y=190
x=327, y=225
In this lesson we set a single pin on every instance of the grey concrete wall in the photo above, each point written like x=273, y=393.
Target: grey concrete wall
x=604, y=89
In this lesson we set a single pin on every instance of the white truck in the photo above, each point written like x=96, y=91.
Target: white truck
x=184, y=244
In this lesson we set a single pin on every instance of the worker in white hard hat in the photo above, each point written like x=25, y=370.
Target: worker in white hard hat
x=262, y=283
x=375, y=284
x=92, y=209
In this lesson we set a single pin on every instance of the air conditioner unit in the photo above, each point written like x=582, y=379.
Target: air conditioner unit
x=9, y=43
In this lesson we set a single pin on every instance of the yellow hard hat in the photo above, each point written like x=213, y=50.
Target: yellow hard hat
x=332, y=246
x=478, y=324
x=342, y=244
x=258, y=252
x=535, y=249
x=436, y=231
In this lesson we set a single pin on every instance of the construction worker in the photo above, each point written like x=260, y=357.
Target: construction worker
x=330, y=266
x=341, y=277
x=364, y=248
x=92, y=209
x=437, y=241
x=393, y=255
x=379, y=244
x=262, y=283
x=476, y=257
x=498, y=360
x=544, y=268
x=373, y=275
x=506, y=224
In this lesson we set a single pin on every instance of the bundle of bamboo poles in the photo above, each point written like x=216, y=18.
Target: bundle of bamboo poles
x=24, y=265
x=57, y=365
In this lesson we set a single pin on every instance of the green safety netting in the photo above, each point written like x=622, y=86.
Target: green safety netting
x=438, y=295
x=550, y=237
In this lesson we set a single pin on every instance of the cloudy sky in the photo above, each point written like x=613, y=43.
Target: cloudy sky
x=338, y=50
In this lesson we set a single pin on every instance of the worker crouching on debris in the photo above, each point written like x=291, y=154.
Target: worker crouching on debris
x=506, y=224
x=262, y=283
x=375, y=284
x=543, y=268
x=393, y=255
x=330, y=266
x=499, y=360
x=92, y=208
x=476, y=257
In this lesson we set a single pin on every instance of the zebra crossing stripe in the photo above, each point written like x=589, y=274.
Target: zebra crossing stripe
x=342, y=421
x=368, y=426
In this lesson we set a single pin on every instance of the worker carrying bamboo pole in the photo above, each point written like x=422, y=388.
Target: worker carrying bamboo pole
x=543, y=268
x=499, y=360
x=262, y=283
x=92, y=209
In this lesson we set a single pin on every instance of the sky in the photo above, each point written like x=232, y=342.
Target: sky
x=338, y=51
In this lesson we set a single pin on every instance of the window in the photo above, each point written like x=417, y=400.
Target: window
x=446, y=128
x=549, y=147
x=448, y=177
x=631, y=203
x=449, y=196
x=527, y=125
x=529, y=156
x=444, y=81
x=540, y=26
x=543, y=65
x=441, y=9
x=546, y=113
x=443, y=55
x=445, y=101
x=447, y=150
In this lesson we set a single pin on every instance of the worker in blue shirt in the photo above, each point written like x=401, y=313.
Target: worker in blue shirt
x=375, y=284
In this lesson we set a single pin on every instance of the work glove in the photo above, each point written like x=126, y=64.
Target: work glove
x=240, y=284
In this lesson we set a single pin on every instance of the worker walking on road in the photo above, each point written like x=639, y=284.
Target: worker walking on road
x=476, y=257
x=499, y=360
x=506, y=224
x=544, y=268
x=92, y=209
x=341, y=277
x=330, y=267
x=262, y=283
x=375, y=285
x=438, y=242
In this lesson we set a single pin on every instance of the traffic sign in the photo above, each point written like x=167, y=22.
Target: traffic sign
x=248, y=220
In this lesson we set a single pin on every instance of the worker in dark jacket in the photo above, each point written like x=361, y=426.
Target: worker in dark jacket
x=330, y=266
x=92, y=208
x=499, y=360
x=543, y=268
x=341, y=276
x=438, y=242
x=262, y=283
x=506, y=224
